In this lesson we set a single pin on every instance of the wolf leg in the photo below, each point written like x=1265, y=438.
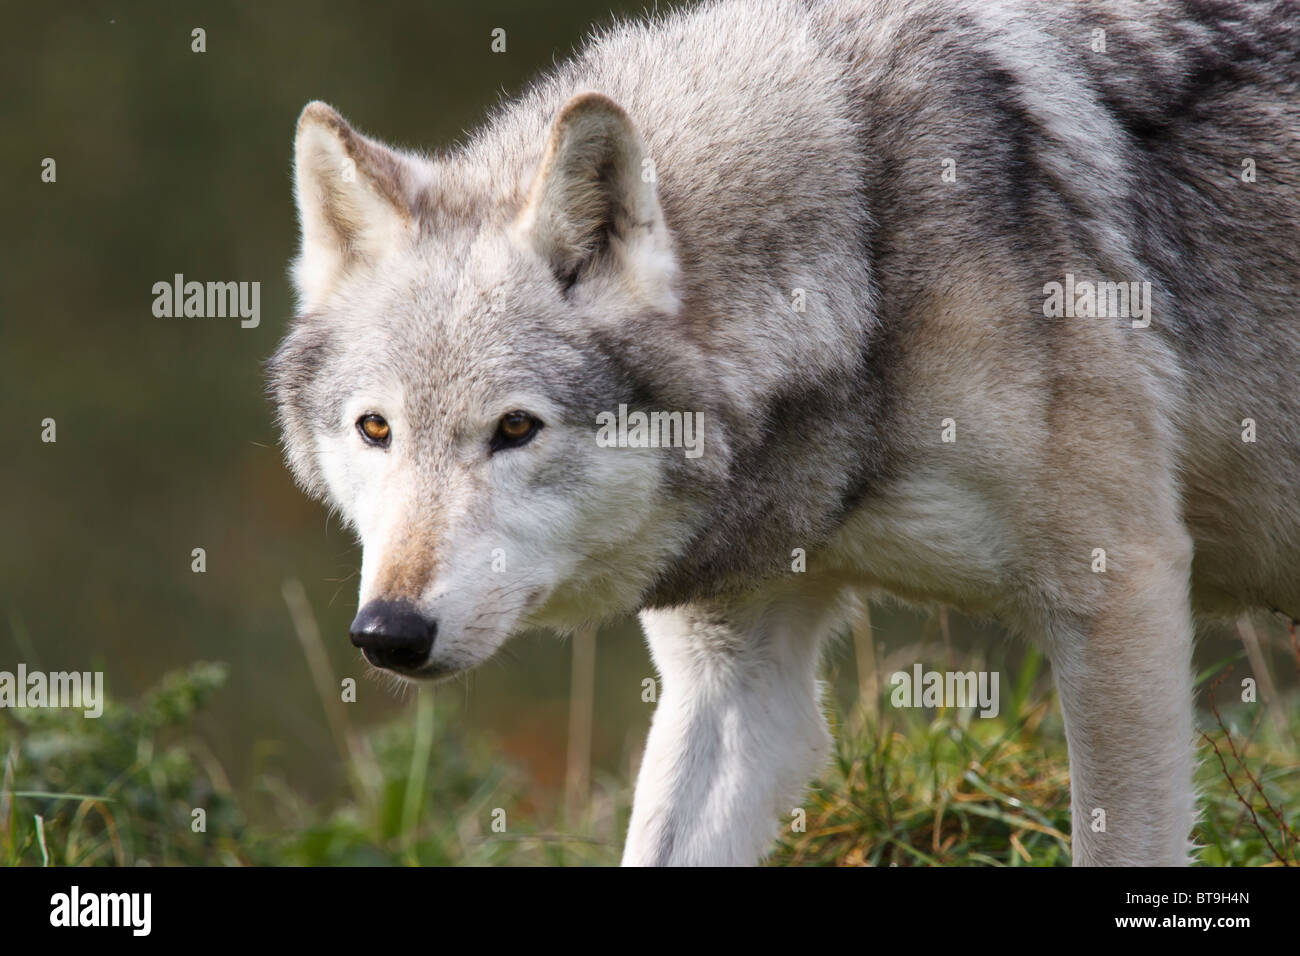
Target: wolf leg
x=737, y=734
x=1124, y=677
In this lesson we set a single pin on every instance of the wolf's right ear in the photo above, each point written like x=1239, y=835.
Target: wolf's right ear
x=355, y=200
x=594, y=206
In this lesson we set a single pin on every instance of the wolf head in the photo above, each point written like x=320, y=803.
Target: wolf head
x=463, y=322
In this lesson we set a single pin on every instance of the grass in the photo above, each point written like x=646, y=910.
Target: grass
x=111, y=791
x=906, y=787
x=949, y=789
x=123, y=790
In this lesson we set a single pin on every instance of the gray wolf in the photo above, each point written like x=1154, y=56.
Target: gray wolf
x=840, y=233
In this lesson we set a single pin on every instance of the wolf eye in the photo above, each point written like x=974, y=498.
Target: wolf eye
x=514, y=429
x=374, y=430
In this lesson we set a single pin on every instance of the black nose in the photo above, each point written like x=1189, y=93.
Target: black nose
x=393, y=634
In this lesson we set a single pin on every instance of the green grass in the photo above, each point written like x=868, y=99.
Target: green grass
x=917, y=788
x=122, y=790
x=109, y=791
x=951, y=789
x=906, y=787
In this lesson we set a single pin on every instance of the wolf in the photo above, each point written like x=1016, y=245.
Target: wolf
x=839, y=233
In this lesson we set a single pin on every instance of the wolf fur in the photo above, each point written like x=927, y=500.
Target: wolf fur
x=639, y=227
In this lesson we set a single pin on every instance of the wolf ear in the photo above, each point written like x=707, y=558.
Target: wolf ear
x=354, y=198
x=593, y=204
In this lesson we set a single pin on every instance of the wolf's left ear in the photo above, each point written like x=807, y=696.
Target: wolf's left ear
x=593, y=207
x=355, y=199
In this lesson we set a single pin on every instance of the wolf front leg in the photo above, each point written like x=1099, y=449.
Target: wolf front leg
x=737, y=734
x=1125, y=681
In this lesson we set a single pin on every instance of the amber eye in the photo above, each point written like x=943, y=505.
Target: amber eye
x=514, y=429
x=373, y=429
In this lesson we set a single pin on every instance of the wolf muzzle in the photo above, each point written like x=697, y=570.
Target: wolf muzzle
x=393, y=634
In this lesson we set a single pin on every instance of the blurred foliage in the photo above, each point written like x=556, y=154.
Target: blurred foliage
x=122, y=789
x=118, y=789
x=906, y=787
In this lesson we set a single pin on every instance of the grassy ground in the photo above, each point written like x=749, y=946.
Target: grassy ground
x=947, y=788
x=124, y=790
x=907, y=787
